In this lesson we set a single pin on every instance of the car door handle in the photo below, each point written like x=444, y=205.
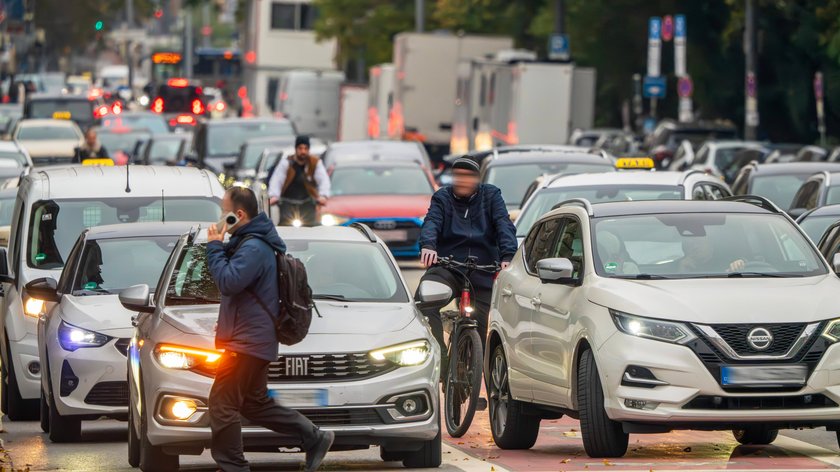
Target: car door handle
x=536, y=301
x=507, y=292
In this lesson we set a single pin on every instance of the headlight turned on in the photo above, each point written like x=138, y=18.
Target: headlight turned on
x=659, y=330
x=72, y=337
x=406, y=354
x=332, y=220
x=187, y=358
x=33, y=307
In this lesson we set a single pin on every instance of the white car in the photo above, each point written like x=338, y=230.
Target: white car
x=368, y=369
x=82, y=341
x=724, y=158
x=645, y=317
x=49, y=141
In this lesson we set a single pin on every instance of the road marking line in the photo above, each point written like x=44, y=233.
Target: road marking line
x=467, y=462
x=807, y=449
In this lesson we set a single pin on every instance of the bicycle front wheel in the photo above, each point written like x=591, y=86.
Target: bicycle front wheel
x=463, y=383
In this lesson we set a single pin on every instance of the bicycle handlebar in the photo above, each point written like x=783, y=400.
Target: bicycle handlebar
x=469, y=265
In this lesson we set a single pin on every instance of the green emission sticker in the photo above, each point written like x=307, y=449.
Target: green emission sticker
x=611, y=266
x=40, y=257
x=90, y=285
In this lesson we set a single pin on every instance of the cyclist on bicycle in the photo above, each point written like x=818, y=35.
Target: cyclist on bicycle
x=466, y=219
x=298, y=185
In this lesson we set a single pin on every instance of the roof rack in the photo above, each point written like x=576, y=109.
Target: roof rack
x=365, y=230
x=756, y=200
x=576, y=201
x=688, y=174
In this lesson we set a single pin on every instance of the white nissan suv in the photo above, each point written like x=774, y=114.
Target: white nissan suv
x=644, y=317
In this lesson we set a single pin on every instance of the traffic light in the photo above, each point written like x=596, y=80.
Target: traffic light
x=158, y=13
x=98, y=26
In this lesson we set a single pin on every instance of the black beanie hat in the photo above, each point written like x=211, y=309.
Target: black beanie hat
x=302, y=139
x=466, y=163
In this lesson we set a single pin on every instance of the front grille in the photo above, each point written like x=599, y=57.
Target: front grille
x=108, y=394
x=410, y=227
x=338, y=417
x=326, y=367
x=122, y=345
x=784, y=335
x=709, y=402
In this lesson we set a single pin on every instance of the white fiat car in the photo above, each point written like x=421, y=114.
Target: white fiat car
x=644, y=317
x=82, y=340
x=368, y=370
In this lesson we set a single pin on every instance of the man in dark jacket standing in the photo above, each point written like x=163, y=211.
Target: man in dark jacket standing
x=244, y=270
x=466, y=219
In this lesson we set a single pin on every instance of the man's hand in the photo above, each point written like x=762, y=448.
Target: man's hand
x=737, y=265
x=428, y=257
x=214, y=234
x=273, y=200
x=504, y=265
x=322, y=200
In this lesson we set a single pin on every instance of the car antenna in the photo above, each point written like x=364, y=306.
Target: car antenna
x=162, y=207
x=127, y=181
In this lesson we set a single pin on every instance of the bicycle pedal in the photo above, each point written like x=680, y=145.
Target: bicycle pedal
x=481, y=404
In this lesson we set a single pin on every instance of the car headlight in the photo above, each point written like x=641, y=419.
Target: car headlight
x=72, y=337
x=406, y=354
x=33, y=307
x=332, y=220
x=187, y=358
x=832, y=330
x=660, y=330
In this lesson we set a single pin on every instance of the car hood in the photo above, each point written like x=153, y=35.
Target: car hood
x=378, y=206
x=217, y=163
x=746, y=300
x=100, y=313
x=50, y=147
x=336, y=318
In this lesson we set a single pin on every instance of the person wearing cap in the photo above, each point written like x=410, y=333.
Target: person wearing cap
x=466, y=218
x=299, y=184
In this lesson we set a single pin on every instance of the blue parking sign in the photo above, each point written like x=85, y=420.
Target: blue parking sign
x=654, y=27
x=679, y=26
x=558, y=47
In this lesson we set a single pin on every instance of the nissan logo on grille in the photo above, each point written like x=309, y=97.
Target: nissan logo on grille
x=385, y=224
x=759, y=339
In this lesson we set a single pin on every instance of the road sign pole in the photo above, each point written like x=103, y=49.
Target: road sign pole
x=751, y=119
x=818, y=94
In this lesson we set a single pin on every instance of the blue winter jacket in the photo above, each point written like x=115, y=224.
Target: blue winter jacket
x=476, y=226
x=243, y=273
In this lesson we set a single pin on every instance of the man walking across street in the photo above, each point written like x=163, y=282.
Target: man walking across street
x=92, y=148
x=299, y=183
x=245, y=272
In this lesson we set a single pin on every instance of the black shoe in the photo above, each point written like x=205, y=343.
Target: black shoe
x=315, y=455
x=481, y=404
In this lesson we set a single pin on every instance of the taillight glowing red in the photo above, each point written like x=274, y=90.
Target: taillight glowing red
x=157, y=105
x=197, y=107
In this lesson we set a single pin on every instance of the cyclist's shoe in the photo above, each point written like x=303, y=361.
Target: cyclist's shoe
x=481, y=404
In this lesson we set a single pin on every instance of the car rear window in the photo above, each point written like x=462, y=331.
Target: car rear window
x=61, y=108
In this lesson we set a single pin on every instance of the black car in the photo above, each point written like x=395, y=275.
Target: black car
x=164, y=149
x=180, y=101
x=85, y=111
x=246, y=167
x=815, y=222
x=219, y=142
x=777, y=182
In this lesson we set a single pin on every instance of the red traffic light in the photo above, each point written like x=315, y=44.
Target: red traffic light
x=158, y=13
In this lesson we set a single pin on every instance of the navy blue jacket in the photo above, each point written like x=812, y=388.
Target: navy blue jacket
x=476, y=226
x=242, y=274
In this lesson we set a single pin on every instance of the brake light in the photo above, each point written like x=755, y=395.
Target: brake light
x=182, y=120
x=117, y=108
x=101, y=111
x=197, y=107
x=178, y=82
x=157, y=105
x=220, y=106
x=94, y=93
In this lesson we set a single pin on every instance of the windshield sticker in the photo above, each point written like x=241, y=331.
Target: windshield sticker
x=40, y=257
x=611, y=267
x=90, y=286
x=46, y=217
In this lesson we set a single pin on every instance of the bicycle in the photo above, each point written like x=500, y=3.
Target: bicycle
x=463, y=377
x=295, y=213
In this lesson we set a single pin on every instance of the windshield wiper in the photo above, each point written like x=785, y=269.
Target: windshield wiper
x=329, y=296
x=641, y=277
x=758, y=274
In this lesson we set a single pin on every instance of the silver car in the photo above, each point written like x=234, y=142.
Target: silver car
x=368, y=370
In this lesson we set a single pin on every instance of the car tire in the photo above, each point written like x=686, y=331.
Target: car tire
x=133, y=438
x=755, y=435
x=44, y=413
x=429, y=456
x=390, y=456
x=602, y=437
x=17, y=408
x=152, y=458
x=511, y=427
x=63, y=429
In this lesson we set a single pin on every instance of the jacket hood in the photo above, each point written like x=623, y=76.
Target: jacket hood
x=100, y=313
x=261, y=227
x=722, y=300
x=378, y=206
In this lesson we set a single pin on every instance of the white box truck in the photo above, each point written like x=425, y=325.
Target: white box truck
x=380, y=100
x=425, y=82
x=352, y=120
x=310, y=99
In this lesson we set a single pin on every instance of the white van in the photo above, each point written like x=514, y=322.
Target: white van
x=53, y=206
x=310, y=99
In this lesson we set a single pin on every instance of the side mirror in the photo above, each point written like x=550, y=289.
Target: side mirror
x=796, y=212
x=43, y=288
x=136, y=298
x=835, y=261
x=556, y=270
x=433, y=295
x=4, y=267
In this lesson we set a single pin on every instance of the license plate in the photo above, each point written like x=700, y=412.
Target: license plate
x=392, y=235
x=763, y=375
x=301, y=398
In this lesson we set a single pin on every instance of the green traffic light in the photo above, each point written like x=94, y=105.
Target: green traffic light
x=99, y=25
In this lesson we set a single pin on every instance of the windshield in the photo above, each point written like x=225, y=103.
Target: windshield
x=514, y=180
x=111, y=265
x=191, y=282
x=545, y=199
x=348, y=156
x=43, y=133
x=815, y=226
x=253, y=151
x=779, y=189
x=686, y=245
x=56, y=224
x=833, y=195
x=121, y=141
x=153, y=123
x=164, y=150
x=226, y=140
x=12, y=159
x=380, y=181
x=79, y=110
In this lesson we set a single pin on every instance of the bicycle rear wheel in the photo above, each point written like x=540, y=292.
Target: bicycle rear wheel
x=463, y=382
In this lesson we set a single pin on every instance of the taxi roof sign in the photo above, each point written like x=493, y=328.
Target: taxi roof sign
x=634, y=163
x=102, y=161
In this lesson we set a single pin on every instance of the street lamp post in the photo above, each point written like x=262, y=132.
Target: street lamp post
x=750, y=80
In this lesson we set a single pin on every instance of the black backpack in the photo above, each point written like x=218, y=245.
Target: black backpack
x=291, y=324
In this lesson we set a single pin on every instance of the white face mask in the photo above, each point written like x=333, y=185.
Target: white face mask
x=230, y=219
